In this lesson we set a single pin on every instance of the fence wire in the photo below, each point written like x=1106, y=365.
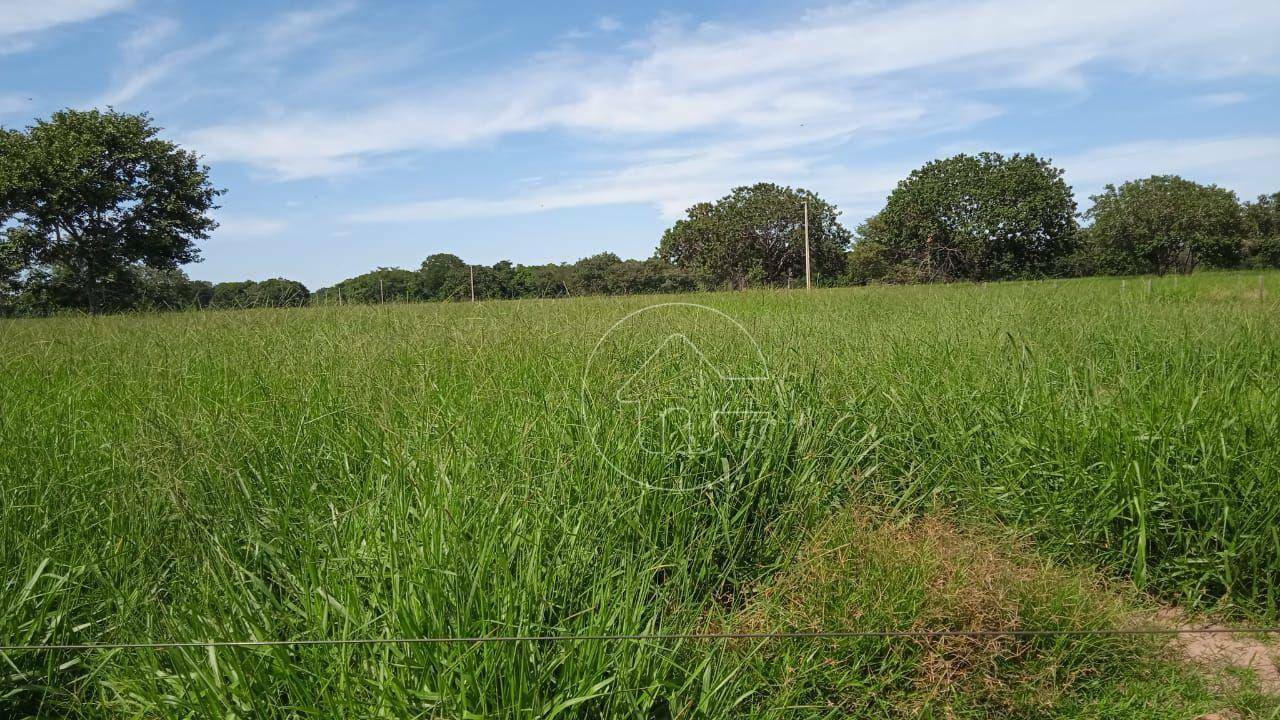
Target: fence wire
x=660, y=637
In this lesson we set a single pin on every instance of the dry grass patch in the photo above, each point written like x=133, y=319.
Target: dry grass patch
x=930, y=574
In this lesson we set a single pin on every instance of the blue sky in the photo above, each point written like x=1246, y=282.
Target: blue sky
x=353, y=134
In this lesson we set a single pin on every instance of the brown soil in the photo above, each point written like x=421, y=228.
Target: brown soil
x=1222, y=651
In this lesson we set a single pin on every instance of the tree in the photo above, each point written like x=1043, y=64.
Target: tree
x=278, y=292
x=169, y=290
x=595, y=274
x=977, y=217
x=444, y=276
x=236, y=294
x=384, y=284
x=1262, y=223
x=867, y=261
x=1262, y=216
x=275, y=292
x=1164, y=223
x=757, y=232
x=88, y=195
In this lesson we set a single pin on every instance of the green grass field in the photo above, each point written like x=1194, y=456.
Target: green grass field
x=1024, y=455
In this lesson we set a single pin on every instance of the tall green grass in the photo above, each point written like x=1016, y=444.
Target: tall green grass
x=428, y=470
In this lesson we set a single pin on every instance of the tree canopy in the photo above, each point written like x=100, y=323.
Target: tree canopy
x=756, y=234
x=444, y=276
x=97, y=212
x=975, y=217
x=87, y=197
x=1164, y=223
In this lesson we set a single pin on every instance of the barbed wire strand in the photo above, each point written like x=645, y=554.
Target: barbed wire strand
x=798, y=635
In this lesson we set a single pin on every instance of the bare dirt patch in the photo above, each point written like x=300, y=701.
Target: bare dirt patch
x=1219, y=652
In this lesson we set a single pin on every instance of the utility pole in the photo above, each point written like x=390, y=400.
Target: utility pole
x=472, y=268
x=808, y=276
x=382, y=296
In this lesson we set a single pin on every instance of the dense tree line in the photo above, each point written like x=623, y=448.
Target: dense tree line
x=445, y=277
x=990, y=217
x=97, y=213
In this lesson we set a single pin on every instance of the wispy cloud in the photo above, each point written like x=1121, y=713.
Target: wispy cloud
x=144, y=66
x=22, y=20
x=300, y=28
x=246, y=228
x=1246, y=163
x=847, y=67
x=157, y=54
x=672, y=176
x=1220, y=99
x=1242, y=163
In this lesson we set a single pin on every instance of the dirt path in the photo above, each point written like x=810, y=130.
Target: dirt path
x=1222, y=651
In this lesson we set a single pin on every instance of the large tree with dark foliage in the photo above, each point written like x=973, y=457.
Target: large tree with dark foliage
x=90, y=196
x=275, y=292
x=756, y=234
x=444, y=277
x=975, y=217
x=1164, y=224
x=1262, y=223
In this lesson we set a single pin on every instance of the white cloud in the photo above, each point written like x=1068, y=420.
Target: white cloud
x=141, y=72
x=672, y=177
x=299, y=28
x=20, y=19
x=247, y=228
x=1220, y=99
x=608, y=24
x=146, y=65
x=845, y=67
x=1245, y=164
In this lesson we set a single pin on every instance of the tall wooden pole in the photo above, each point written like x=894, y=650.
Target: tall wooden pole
x=808, y=276
x=473, y=282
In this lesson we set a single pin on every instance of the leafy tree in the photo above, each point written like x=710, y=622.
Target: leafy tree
x=236, y=294
x=385, y=284
x=278, y=292
x=88, y=195
x=867, y=261
x=654, y=275
x=1262, y=222
x=169, y=290
x=756, y=232
x=977, y=217
x=1162, y=224
x=552, y=280
x=501, y=281
x=596, y=274
x=275, y=292
x=1262, y=216
x=444, y=276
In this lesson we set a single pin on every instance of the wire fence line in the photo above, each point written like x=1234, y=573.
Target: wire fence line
x=663, y=637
